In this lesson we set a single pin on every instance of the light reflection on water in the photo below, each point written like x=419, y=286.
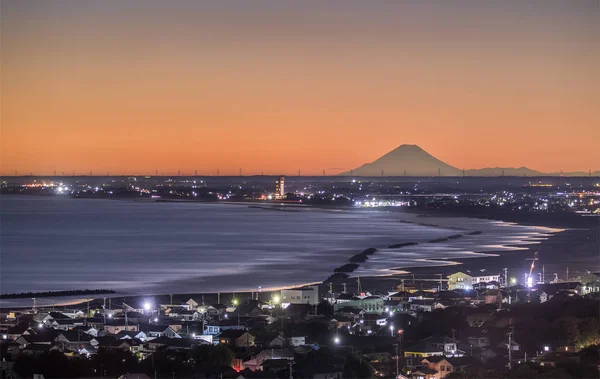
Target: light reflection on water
x=60, y=243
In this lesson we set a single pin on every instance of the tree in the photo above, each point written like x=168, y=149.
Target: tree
x=208, y=355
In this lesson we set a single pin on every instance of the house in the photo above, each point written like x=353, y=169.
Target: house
x=87, y=330
x=463, y=281
x=493, y=297
x=36, y=349
x=431, y=347
x=304, y=295
x=237, y=338
x=123, y=345
x=590, y=282
x=212, y=329
x=297, y=341
x=422, y=305
x=370, y=304
x=568, y=288
x=298, y=311
x=117, y=327
x=103, y=341
x=191, y=304
x=73, y=313
x=249, y=309
x=477, y=337
x=216, y=310
x=55, y=316
x=70, y=340
x=153, y=331
x=126, y=334
x=439, y=365
x=65, y=324
x=26, y=340
x=270, y=340
x=339, y=322
x=257, y=361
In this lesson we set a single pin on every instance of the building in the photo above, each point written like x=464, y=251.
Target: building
x=280, y=188
x=370, y=304
x=304, y=295
x=237, y=338
x=493, y=297
x=434, y=346
x=463, y=281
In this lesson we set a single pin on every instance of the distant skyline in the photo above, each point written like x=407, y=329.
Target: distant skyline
x=273, y=86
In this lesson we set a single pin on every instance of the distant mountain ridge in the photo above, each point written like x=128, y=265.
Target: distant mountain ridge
x=411, y=160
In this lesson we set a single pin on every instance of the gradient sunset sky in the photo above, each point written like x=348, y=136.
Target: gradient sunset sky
x=275, y=86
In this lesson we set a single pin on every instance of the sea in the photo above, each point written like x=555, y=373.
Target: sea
x=147, y=247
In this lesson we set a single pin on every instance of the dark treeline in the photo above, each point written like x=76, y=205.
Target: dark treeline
x=55, y=293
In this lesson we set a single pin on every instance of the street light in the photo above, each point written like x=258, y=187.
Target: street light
x=336, y=340
x=235, y=302
x=392, y=330
x=275, y=299
x=147, y=305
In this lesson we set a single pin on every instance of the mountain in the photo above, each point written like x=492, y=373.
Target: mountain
x=408, y=160
x=411, y=160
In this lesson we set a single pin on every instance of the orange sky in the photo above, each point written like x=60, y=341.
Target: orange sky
x=138, y=86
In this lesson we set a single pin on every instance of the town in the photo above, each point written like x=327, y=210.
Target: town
x=460, y=326
x=579, y=195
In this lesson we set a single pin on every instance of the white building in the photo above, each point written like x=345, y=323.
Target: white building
x=304, y=295
x=460, y=280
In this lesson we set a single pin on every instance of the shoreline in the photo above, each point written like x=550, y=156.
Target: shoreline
x=443, y=264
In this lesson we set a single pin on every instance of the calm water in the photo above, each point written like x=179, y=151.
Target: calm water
x=52, y=243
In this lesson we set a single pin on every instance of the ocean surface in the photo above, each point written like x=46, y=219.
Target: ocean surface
x=143, y=247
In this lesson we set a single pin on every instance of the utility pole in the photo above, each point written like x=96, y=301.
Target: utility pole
x=34, y=305
x=505, y=277
x=291, y=375
x=510, y=349
x=358, y=281
x=217, y=172
x=344, y=284
x=441, y=285
x=397, y=361
x=567, y=273
x=543, y=274
x=218, y=297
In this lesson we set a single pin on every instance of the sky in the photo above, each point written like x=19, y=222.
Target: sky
x=274, y=86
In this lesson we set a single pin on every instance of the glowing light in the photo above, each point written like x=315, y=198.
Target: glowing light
x=156, y=319
x=275, y=299
x=336, y=340
x=235, y=302
x=513, y=281
x=546, y=348
x=147, y=305
x=529, y=281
